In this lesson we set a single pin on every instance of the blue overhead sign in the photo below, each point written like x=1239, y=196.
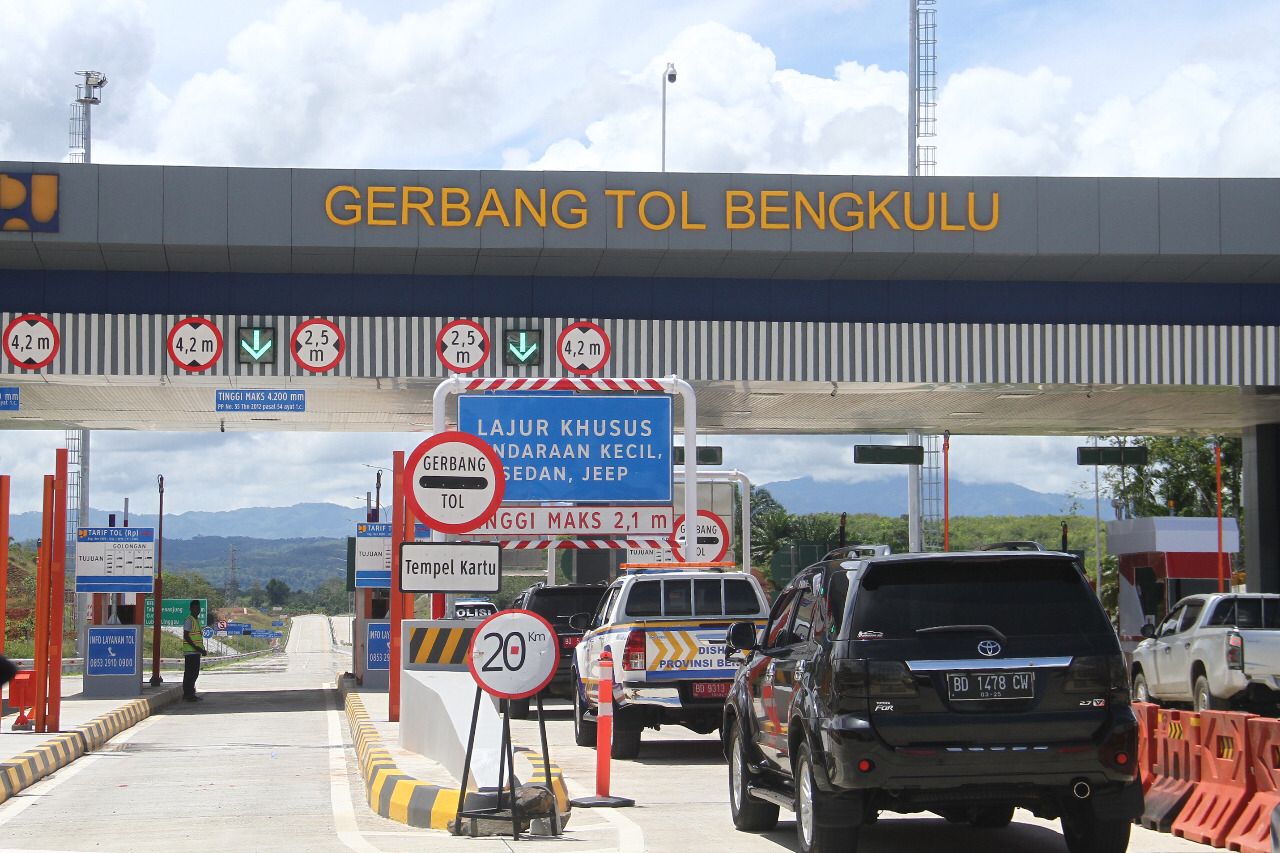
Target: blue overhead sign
x=244, y=400
x=10, y=399
x=112, y=651
x=582, y=448
x=239, y=628
x=379, y=646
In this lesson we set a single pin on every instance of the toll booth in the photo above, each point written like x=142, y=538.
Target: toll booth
x=1163, y=559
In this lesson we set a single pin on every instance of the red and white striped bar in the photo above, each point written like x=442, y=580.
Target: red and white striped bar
x=563, y=384
x=581, y=544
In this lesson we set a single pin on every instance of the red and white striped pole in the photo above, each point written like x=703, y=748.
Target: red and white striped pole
x=604, y=740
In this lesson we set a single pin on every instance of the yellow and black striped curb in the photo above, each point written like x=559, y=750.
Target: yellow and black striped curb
x=400, y=797
x=26, y=768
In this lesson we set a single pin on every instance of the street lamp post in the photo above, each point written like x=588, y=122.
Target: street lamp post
x=668, y=76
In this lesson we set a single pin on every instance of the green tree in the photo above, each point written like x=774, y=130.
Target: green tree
x=1180, y=473
x=277, y=592
x=192, y=585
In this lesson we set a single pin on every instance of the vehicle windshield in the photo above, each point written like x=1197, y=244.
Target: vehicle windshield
x=1016, y=597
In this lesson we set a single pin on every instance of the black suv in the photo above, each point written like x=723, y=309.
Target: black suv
x=557, y=604
x=966, y=684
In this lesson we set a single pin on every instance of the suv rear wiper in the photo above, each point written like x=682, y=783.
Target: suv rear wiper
x=965, y=629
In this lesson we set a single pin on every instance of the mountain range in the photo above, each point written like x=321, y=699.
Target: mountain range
x=799, y=496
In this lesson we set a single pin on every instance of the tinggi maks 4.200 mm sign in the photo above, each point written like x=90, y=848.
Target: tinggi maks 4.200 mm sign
x=450, y=567
x=588, y=448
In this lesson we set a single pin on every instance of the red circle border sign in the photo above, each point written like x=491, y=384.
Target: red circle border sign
x=411, y=463
x=471, y=656
x=57, y=341
x=604, y=336
x=324, y=368
x=470, y=324
x=724, y=540
x=173, y=356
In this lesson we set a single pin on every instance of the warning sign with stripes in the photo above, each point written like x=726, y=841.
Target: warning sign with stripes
x=437, y=644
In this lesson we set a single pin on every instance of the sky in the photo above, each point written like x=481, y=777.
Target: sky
x=1025, y=87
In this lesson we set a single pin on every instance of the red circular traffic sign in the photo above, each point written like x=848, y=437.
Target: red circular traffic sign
x=463, y=346
x=583, y=348
x=453, y=482
x=195, y=344
x=31, y=341
x=714, y=551
x=513, y=654
x=317, y=345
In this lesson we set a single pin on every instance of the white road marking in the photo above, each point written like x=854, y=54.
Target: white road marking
x=344, y=814
x=25, y=799
x=630, y=835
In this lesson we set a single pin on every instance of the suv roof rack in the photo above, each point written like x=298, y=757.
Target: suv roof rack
x=645, y=568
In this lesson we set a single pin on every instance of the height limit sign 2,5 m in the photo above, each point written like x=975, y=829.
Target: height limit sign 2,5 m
x=453, y=482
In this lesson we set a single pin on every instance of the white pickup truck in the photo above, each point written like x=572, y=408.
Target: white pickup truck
x=1214, y=651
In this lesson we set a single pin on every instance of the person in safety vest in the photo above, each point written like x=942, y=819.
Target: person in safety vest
x=192, y=650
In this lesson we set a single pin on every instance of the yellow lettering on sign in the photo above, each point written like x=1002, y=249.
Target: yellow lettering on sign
x=579, y=212
x=949, y=226
x=492, y=206
x=735, y=202
x=685, y=224
x=643, y=211
x=618, y=196
x=906, y=213
x=407, y=204
x=523, y=203
x=374, y=205
x=353, y=209
x=995, y=214
x=881, y=208
x=454, y=200
x=818, y=215
x=847, y=220
x=767, y=210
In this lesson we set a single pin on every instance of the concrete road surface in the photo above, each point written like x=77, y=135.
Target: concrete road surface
x=265, y=763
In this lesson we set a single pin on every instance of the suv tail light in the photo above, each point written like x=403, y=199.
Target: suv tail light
x=1235, y=651
x=857, y=680
x=1098, y=675
x=890, y=678
x=633, y=655
x=570, y=642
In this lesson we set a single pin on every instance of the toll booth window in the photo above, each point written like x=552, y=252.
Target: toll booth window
x=740, y=598
x=676, y=598
x=707, y=597
x=645, y=599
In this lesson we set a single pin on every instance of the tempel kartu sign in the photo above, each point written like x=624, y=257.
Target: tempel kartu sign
x=450, y=567
x=115, y=559
x=557, y=448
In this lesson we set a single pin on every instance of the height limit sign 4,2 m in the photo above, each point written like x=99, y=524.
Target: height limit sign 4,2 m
x=453, y=482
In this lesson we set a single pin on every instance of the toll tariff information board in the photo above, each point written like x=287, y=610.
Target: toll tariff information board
x=373, y=553
x=450, y=567
x=115, y=559
x=582, y=448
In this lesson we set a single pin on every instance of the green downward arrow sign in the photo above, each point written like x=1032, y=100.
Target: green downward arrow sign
x=524, y=350
x=259, y=348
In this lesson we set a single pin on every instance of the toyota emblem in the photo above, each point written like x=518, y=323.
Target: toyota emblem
x=989, y=648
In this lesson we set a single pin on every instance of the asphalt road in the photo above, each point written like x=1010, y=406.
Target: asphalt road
x=265, y=762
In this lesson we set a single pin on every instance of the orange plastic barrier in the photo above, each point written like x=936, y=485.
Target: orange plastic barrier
x=22, y=696
x=1252, y=832
x=1146, y=714
x=1226, y=780
x=1176, y=768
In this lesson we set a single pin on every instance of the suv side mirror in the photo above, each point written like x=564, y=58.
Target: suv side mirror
x=742, y=637
x=1148, y=631
x=580, y=621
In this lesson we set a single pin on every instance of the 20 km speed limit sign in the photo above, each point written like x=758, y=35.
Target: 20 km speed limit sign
x=513, y=654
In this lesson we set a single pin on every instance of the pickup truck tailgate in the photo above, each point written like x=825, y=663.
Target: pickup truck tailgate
x=675, y=652
x=1262, y=656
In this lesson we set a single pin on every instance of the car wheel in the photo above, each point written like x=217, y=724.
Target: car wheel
x=1141, y=693
x=1086, y=833
x=584, y=732
x=749, y=814
x=992, y=817
x=626, y=740
x=1205, y=700
x=519, y=709
x=812, y=835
